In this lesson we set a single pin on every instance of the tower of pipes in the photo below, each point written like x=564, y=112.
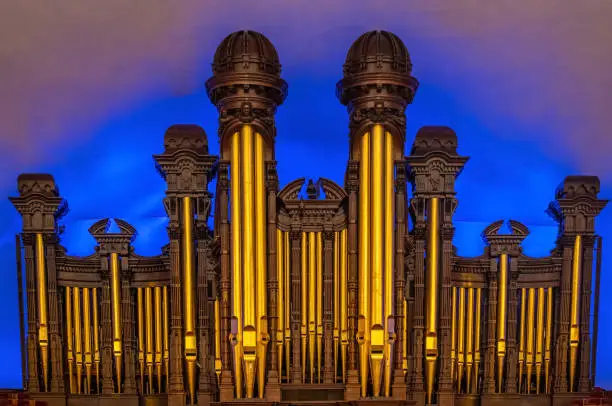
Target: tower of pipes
x=376, y=88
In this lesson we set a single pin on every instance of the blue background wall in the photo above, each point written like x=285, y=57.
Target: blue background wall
x=86, y=94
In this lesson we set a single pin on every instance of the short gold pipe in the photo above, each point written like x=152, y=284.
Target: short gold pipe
x=78, y=338
x=343, y=303
x=304, y=297
x=389, y=253
x=530, y=333
x=261, y=260
x=280, y=276
x=87, y=338
x=43, y=327
x=539, y=356
x=158, y=336
x=521, y=355
x=502, y=309
x=575, y=309
x=469, y=340
x=166, y=356
x=312, y=283
x=364, y=260
x=117, y=324
x=287, y=305
x=477, y=341
x=431, y=292
x=69, y=338
x=236, y=251
x=96, y=337
x=547, y=347
x=191, y=351
x=319, y=297
x=336, y=300
x=453, y=354
x=405, y=338
x=141, y=338
x=149, y=335
x=218, y=364
x=461, y=340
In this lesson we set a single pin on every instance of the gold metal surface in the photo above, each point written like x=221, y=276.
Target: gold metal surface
x=575, y=309
x=141, y=337
x=158, y=336
x=312, y=283
x=469, y=340
x=547, y=347
x=304, y=297
x=149, y=335
x=337, y=310
x=530, y=333
x=87, y=338
x=78, y=338
x=522, y=338
x=431, y=292
x=389, y=253
x=69, y=338
x=343, y=302
x=166, y=355
x=96, y=337
x=461, y=340
x=364, y=261
x=43, y=326
x=218, y=364
x=236, y=252
x=474, y=388
x=287, y=304
x=319, y=297
x=261, y=301
x=280, y=275
x=405, y=338
x=539, y=355
x=117, y=324
x=191, y=351
x=502, y=309
x=453, y=356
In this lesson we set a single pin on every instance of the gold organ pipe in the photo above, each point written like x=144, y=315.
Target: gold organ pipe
x=575, y=309
x=287, y=305
x=453, y=355
x=191, y=351
x=166, y=356
x=261, y=270
x=96, y=337
x=522, y=337
x=469, y=340
x=319, y=297
x=502, y=308
x=78, y=339
x=141, y=337
x=547, y=347
x=540, y=338
x=236, y=251
x=116, y=306
x=377, y=338
x=530, y=348
x=149, y=335
x=87, y=337
x=431, y=338
x=69, y=338
x=364, y=260
x=304, y=291
x=280, y=275
x=158, y=336
x=43, y=329
x=477, y=341
x=389, y=254
x=461, y=339
x=312, y=282
x=249, y=333
x=218, y=364
x=405, y=338
x=337, y=255
x=343, y=302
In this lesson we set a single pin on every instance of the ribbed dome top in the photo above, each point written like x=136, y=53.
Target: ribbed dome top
x=377, y=51
x=248, y=52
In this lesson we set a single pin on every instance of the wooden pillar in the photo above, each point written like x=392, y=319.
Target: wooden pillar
x=584, y=382
x=296, y=306
x=489, y=363
x=33, y=383
x=328, y=303
x=562, y=339
x=107, y=332
x=511, y=346
x=55, y=336
x=205, y=355
x=176, y=355
x=127, y=318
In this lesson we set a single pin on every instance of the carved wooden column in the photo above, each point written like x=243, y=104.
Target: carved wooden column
x=511, y=348
x=328, y=310
x=55, y=333
x=33, y=384
x=204, y=261
x=584, y=382
x=296, y=307
x=418, y=379
x=127, y=318
x=445, y=383
x=489, y=386
x=176, y=384
x=106, y=332
x=562, y=339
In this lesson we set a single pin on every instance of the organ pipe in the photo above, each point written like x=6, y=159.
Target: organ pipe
x=522, y=338
x=166, y=355
x=343, y=301
x=431, y=292
x=116, y=307
x=312, y=280
x=477, y=341
x=43, y=326
x=218, y=364
x=191, y=351
x=87, y=338
x=304, y=297
x=280, y=276
x=78, y=339
x=575, y=309
x=337, y=255
x=469, y=342
x=287, y=305
x=461, y=339
x=141, y=337
x=547, y=347
x=502, y=309
x=388, y=259
x=149, y=336
x=261, y=302
x=69, y=338
x=158, y=335
x=319, y=301
x=539, y=356
x=530, y=333
x=96, y=337
x=453, y=356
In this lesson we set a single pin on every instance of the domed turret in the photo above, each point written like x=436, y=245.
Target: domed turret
x=377, y=51
x=246, y=51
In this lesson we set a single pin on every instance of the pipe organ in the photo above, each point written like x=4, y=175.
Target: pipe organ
x=313, y=292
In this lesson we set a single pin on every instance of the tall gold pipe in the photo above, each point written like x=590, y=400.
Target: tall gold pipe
x=343, y=304
x=453, y=356
x=312, y=283
x=461, y=339
x=431, y=339
x=522, y=337
x=158, y=336
x=249, y=333
x=191, y=351
x=166, y=356
x=304, y=294
x=575, y=317
x=389, y=254
x=96, y=337
x=69, y=338
x=337, y=255
x=218, y=364
x=78, y=338
x=319, y=297
x=405, y=338
x=469, y=340
x=477, y=342
x=540, y=338
x=502, y=308
x=364, y=260
x=43, y=329
x=547, y=350
x=116, y=306
x=236, y=249
x=287, y=305
x=87, y=337
x=377, y=338
x=280, y=276
x=141, y=338
x=261, y=271
x=149, y=335
x=530, y=326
